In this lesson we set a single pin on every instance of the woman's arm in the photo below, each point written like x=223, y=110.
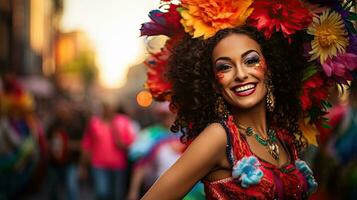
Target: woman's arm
x=204, y=153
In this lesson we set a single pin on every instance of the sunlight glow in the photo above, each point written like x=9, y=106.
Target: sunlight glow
x=113, y=27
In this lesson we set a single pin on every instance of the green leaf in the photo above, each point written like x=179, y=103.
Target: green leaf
x=352, y=16
x=314, y=113
x=326, y=104
x=180, y=9
x=310, y=71
x=350, y=27
x=326, y=119
x=326, y=126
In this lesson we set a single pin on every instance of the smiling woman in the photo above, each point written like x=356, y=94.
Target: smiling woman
x=252, y=150
x=236, y=91
x=237, y=62
x=252, y=61
x=235, y=76
x=115, y=38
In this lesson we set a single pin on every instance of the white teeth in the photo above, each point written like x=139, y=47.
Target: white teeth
x=245, y=87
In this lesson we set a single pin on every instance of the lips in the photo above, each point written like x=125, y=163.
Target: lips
x=244, y=89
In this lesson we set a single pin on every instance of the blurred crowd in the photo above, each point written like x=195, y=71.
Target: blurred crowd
x=73, y=151
x=65, y=149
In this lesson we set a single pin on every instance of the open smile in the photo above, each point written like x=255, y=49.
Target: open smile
x=244, y=90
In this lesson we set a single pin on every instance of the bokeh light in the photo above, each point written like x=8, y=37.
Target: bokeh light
x=144, y=98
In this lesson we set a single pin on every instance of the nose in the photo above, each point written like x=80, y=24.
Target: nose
x=241, y=73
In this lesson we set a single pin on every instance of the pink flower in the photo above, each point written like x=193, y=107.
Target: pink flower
x=340, y=67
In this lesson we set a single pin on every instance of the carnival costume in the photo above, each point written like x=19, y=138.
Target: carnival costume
x=330, y=45
x=253, y=177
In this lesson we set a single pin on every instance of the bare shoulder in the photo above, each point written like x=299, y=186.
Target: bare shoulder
x=213, y=136
x=214, y=132
x=204, y=154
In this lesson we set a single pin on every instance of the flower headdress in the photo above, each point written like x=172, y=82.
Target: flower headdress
x=331, y=40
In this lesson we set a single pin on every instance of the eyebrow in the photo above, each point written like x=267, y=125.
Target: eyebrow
x=243, y=55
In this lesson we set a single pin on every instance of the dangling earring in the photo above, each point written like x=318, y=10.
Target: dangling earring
x=221, y=108
x=270, y=99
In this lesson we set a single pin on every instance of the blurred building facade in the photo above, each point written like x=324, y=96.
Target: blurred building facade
x=76, y=67
x=28, y=29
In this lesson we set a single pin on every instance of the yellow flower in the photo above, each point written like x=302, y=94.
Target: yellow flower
x=206, y=17
x=330, y=36
x=309, y=132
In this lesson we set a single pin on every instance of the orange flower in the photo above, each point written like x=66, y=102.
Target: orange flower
x=206, y=17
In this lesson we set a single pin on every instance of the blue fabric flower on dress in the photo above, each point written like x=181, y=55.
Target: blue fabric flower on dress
x=248, y=171
x=307, y=172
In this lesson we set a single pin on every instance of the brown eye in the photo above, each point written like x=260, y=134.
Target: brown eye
x=222, y=67
x=252, y=61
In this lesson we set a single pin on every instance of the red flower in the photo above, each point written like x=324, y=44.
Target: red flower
x=288, y=16
x=305, y=100
x=314, y=90
x=163, y=23
x=157, y=82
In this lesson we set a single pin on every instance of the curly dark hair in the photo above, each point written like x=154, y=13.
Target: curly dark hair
x=191, y=73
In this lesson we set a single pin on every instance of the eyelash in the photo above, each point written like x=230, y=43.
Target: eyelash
x=223, y=67
x=249, y=61
x=252, y=61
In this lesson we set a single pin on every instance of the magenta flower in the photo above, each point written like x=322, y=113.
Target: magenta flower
x=165, y=22
x=340, y=67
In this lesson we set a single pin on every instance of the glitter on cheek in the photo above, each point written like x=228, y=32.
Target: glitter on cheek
x=219, y=77
x=261, y=66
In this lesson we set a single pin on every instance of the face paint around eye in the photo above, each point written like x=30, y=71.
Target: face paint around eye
x=261, y=66
x=252, y=58
x=222, y=67
x=219, y=76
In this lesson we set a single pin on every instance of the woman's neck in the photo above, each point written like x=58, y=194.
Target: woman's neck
x=254, y=117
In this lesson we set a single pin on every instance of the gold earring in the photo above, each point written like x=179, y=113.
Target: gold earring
x=270, y=99
x=221, y=108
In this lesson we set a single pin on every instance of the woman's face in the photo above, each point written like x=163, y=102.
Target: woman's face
x=240, y=68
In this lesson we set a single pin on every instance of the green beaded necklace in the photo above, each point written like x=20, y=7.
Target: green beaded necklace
x=270, y=143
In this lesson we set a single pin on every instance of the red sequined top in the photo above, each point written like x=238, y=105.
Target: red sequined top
x=286, y=182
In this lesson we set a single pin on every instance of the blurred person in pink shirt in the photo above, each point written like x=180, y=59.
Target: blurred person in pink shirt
x=105, y=144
